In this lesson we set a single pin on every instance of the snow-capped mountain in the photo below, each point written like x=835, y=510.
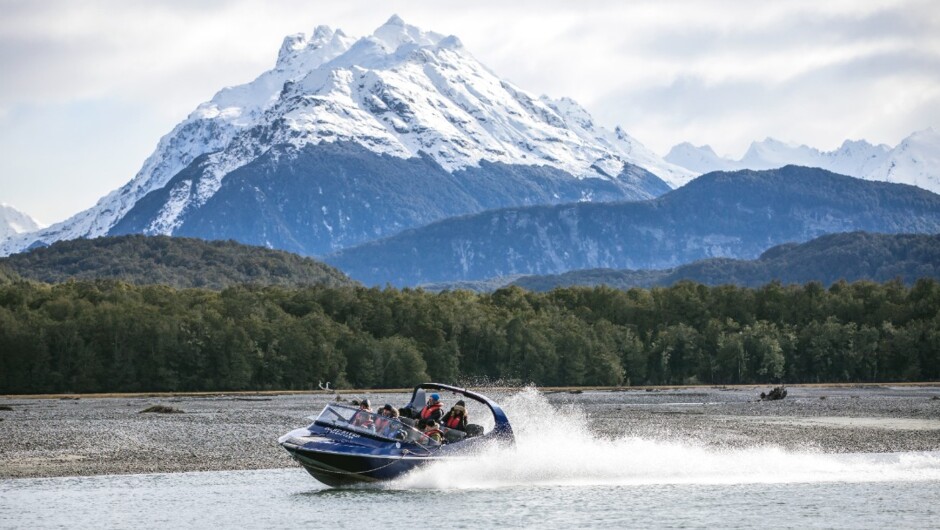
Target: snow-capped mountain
x=13, y=222
x=400, y=92
x=697, y=159
x=207, y=129
x=853, y=158
x=915, y=161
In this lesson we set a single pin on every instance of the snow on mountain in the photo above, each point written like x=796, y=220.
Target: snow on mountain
x=916, y=160
x=400, y=91
x=772, y=153
x=207, y=129
x=698, y=159
x=856, y=158
x=13, y=222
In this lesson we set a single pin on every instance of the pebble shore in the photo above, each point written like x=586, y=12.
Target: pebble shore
x=50, y=437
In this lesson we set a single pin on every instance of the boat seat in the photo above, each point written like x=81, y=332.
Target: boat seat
x=453, y=435
x=414, y=408
x=474, y=430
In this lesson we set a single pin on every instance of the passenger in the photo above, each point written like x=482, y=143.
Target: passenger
x=432, y=411
x=363, y=416
x=383, y=422
x=456, y=417
x=432, y=432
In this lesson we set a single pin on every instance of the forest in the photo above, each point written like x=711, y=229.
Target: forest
x=112, y=336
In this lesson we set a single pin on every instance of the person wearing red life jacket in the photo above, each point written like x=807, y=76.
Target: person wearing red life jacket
x=431, y=431
x=383, y=422
x=432, y=411
x=456, y=417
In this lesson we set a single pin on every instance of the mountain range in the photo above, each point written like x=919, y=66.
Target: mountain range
x=401, y=159
x=827, y=259
x=14, y=222
x=915, y=161
x=414, y=104
x=722, y=214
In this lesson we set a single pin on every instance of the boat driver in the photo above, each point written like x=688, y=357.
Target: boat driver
x=383, y=422
x=363, y=416
x=432, y=410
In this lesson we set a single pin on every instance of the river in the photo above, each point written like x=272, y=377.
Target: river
x=560, y=474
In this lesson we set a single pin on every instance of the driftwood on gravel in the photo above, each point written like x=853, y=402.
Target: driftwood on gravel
x=162, y=409
x=778, y=392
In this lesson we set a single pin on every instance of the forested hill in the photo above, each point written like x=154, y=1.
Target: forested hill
x=7, y=275
x=734, y=215
x=173, y=261
x=827, y=259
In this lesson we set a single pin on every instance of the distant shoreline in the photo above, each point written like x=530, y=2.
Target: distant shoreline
x=357, y=391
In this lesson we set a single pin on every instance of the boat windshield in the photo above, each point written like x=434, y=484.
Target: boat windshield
x=360, y=420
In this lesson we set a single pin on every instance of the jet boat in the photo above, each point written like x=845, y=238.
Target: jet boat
x=348, y=445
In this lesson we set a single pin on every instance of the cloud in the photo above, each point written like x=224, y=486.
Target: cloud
x=881, y=97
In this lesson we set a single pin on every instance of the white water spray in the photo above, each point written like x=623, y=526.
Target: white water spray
x=555, y=447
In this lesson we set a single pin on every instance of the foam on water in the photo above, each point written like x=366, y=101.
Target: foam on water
x=555, y=447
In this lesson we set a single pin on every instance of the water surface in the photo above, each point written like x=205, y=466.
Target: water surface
x=289, y=498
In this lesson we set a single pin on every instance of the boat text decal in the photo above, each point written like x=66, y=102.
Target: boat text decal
x=340, y=432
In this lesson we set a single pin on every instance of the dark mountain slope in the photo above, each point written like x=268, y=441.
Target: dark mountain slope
x=827, y=259
x=329, y=196
x=735, y=215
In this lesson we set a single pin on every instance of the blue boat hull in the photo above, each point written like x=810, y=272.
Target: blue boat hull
x=338, y=469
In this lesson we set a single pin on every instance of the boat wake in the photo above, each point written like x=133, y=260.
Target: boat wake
x=555, y=447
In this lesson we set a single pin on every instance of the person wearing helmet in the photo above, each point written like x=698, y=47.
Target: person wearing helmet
x=432, y=410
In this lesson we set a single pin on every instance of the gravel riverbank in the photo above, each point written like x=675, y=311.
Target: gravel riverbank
x=44, y=437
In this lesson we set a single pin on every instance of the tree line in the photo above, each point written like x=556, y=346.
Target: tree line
x=110, y=336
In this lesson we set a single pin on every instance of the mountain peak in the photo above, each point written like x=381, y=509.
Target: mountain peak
x=13, y=222
x=699, y=159
x=394, y=20
x=928, y=133
x=395, y=33
x=322, y=33
x=298, y=49
x=291, y=45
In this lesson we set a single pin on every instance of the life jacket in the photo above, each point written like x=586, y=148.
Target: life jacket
x=363, y=418
x=430, y=434
x=381, y=422
x=430, y=409
x=453, y=422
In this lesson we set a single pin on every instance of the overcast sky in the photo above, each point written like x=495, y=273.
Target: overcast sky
x=88, y=88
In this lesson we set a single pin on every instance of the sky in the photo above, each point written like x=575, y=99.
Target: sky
x=89, y=87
